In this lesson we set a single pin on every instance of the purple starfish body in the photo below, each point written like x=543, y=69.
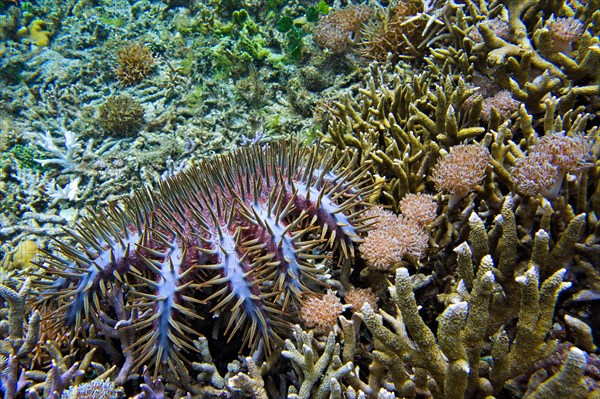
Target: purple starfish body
x=234, y=238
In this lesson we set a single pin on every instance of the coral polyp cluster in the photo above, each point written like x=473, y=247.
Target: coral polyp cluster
x=233, y=239
x=135, y=63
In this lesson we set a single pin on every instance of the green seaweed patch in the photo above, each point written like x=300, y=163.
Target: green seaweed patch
x=274, y=123
x=26, y=156
x=285, y=24
x=274, y=6
x=323, y=7
x=239, y=17
x=244, y=44
x=312, y=14
x=294, y=32
x=313, y=133
x=190, y=26
x=188, y=63
x=195, y=98
x=27, y=7
x=293, y=43
x=112, y=21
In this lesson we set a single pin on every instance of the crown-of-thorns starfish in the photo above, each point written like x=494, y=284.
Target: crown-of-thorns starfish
x=234, y=238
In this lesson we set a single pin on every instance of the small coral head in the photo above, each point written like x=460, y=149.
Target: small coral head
x=554, y=155
x=321, y=312
x=392, y=238
x=564, y=32
x=230, y=246
x=460, y=171
x=340, y=28
x=135, y=63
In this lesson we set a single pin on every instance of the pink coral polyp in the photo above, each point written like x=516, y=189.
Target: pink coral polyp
x=460, y=171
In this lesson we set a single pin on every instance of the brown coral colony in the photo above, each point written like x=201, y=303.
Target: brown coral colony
x=341, y=28
x=135, y=63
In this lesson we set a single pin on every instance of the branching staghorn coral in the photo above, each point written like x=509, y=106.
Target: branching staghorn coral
x=401, y=123
x=318, y=377
x=504, y=271
x=531, y=48
x=565, y=382
x=18, y=376
x=17, y=344
x=250, y=385
x=450, y=362
x=576, y=193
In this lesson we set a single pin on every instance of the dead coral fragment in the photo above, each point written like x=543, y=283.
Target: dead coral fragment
x=341, y=28
x=97, y=389
x=135, y=63
x=460, y=171
x=321, y=313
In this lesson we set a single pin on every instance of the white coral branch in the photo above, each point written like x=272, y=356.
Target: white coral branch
x=69, y=192
x=62, y=157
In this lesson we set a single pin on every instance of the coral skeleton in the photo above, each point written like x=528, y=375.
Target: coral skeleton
x=66, y=158
x=70, y=192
